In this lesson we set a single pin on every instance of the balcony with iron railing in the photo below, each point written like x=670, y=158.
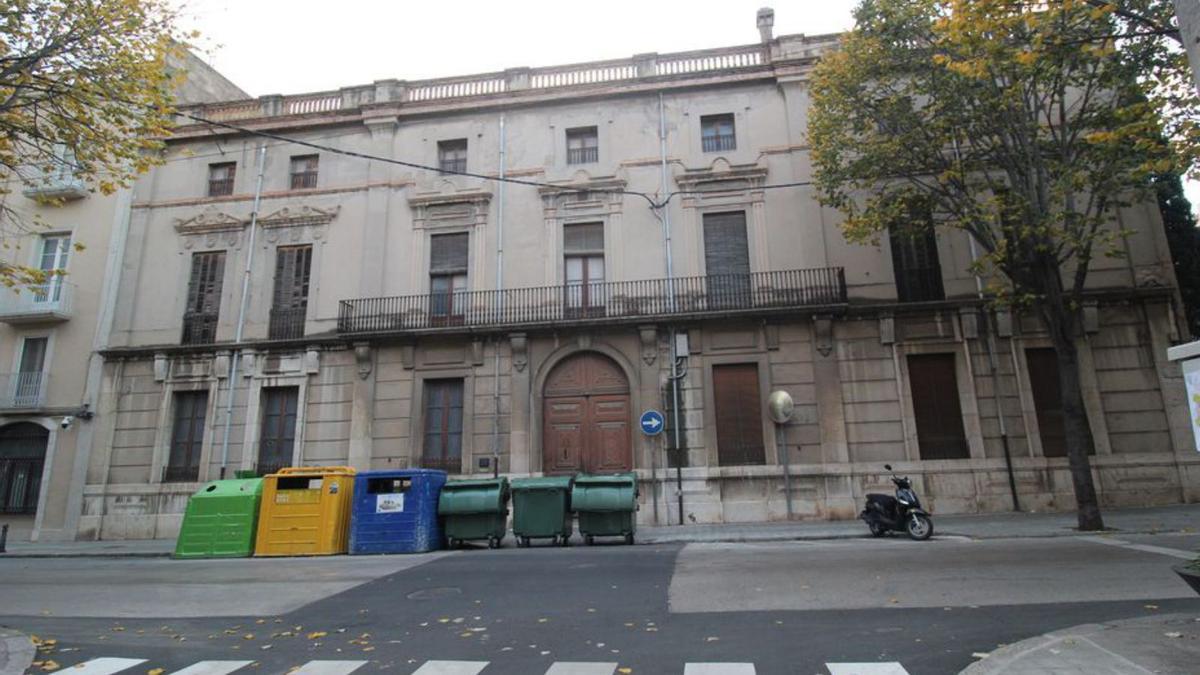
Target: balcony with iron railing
x=42, y=303
x=22, y=391
x=583, y=155
x=199, y=328
x=719, y=143
x=597, y=302
x=286, y=323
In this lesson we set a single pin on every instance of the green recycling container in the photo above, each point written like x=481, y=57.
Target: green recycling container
x=607, y=505
x=475, y=510
x=221, y=520
x=541, y=509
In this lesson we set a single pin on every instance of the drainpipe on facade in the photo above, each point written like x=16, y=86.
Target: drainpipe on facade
x=499, y=299
x=241, y=322
x=674, y=378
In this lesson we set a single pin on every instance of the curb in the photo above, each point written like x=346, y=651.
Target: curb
x=16, y=652
x=115, y=554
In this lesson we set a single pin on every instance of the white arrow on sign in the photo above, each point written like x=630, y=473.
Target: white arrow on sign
x=653, y=422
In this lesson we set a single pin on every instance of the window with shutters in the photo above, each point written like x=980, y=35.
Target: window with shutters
x=447, y=277
x=277, y=438
x=583, y=145
x=717, y=134
x=738, y=414
x=443, y=404
x=726, y=260
x=203, y=298
x=583, y=269
x=220, y=178
x=187, y=436
x=1047, y=399
x=289, y=307
x=934, y=387
x=915, y=260
x=304, y=171
x=452, y=155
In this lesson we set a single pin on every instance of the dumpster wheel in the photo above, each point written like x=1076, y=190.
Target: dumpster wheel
x=523, y=542
x=493, y=542
x=589, y=539
x=629, y=539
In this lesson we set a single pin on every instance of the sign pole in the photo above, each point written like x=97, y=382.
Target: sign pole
x=780, y=407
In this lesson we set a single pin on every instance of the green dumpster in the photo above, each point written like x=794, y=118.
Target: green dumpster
x=541, y=509
x=475, y=510
x=607, y=505
x=221, y=520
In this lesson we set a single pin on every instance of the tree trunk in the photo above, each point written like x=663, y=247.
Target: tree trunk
x=1061, y=321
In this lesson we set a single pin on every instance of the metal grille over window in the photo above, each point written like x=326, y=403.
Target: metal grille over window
x=304, y=172
x=220, y=178
x=452, y=155
x=583, y=146
x=727, y=260
x=717, y=134
x=293, y=270
x=203, y=298
x=22, y=456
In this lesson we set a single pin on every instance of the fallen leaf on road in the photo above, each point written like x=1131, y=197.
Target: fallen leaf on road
x=443, y=620
x=1151, y=606
x=368, y=649
x=545, y=653
x=979, y=655
x=50, y=665
x=624, y=671
x=317, y=634
x=711, y=639
x=265, y=647
x=893, y=601
x=543, y=620
x=155, y=671
x=1174, y=634
x=248, y=636
x=117, y=629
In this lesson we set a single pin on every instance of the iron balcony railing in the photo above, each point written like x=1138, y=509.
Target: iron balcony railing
x=719, y=143
x=199, y=328
x=22, y=390
x=583, y=155
x=456, y=165
x=303, y=180
x=615, y=300
x=287, y=323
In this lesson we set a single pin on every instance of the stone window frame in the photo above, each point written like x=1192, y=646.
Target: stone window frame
x=417, y=428
x=1088, y=380
x=722, y=189
x=164, y=426
x=968, y=401
x=252, y=421
x=762, y=360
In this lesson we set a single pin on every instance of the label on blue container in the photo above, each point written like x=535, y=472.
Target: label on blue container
x=390, y=503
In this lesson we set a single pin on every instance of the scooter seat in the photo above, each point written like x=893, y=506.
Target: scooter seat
x=883, y=500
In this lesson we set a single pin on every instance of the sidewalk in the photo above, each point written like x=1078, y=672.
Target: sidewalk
x=1157, y=644
x=1182, y=518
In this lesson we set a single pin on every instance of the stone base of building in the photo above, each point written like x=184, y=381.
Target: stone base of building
x=759, y=493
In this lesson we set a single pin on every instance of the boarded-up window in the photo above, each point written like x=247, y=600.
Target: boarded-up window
x=915, y=263
x=293, y=269
x=443, y=425
x=203, y=297
x=187, y=436
x=447, y=274
x=739, y=415
x=934, y=388
x=277, y=439
x=727, y=259
x=1047, y=399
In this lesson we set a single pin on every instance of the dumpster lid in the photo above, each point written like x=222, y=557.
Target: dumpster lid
x=543, y=483
x=232, y=486
x=400, y=473
x=475, y=483
x=315, y=470
x=606, y=479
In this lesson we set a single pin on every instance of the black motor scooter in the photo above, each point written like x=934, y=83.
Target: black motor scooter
x=903, y=512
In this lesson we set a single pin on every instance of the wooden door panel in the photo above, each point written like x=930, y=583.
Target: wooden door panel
x=586, y=417
x=608, y=447
x=563, y=438
x=934, y=387
x=739, y=415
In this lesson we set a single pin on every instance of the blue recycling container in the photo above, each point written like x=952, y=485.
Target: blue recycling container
x=396, y=511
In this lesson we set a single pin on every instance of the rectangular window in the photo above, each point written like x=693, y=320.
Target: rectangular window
x=447, y=277
x=22, y=457
x=727, y=260
x=443, y=425
x=716, y=133
x=220, y=178
x=203, y=298
x=1047, y=399
x=583, y=269
x=52, y=261
x=304, y=172
x=739, y=415
x=452, y=155
x=934, y=388
x=583, y=146
x=277, y=439
x=187, y=437
x=27, y=389
x=915, y=262
x=289, y=307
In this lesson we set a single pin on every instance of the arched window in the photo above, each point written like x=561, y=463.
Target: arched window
x=22, y=454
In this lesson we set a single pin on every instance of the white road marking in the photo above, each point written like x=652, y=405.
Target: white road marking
x=892, y=668
x=1147, y=548
x=103, y=666
x=581, y=668
x=329, y=668
x=718, y=669
x=213, y=667
x=451, y=668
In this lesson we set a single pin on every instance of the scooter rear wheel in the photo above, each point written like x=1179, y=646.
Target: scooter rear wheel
x=919, y=527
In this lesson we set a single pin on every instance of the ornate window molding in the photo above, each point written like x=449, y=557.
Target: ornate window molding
x=456, y=209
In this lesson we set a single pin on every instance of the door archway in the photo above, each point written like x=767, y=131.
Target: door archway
x=22, y=456
x=585, y=417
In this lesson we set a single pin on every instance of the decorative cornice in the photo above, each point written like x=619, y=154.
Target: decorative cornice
x=209, y=221
x=751, y=175
x=465, y=197
x=305, y=215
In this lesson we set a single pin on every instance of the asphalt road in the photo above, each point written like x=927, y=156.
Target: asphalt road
x=783, y=607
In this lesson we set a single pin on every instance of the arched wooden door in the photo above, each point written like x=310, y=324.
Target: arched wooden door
x=585, y=417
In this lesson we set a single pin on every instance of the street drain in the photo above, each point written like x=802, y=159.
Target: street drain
x=434, y=593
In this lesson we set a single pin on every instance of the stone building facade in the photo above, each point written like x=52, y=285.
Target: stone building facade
x=397, y=316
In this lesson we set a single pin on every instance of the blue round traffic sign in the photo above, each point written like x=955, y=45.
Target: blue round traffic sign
x=651, y=422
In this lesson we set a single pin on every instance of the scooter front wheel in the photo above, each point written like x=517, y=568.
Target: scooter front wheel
x=919, y=527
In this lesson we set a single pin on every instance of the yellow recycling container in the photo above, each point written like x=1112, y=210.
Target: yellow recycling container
x=305, y=511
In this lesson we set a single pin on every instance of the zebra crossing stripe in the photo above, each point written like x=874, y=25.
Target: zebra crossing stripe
x=891, y=668
x=103, y=666
x=329, y=668
x=451, y=668
x=718, y=669
x=581, y=668
x=212, y=667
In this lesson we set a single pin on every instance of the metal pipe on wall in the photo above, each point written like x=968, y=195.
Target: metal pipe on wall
x=500, y=299
x=241, y=322
x=666, y=223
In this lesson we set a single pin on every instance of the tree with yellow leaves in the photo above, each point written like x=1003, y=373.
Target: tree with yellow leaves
x=1025, y=124
x=84, y=90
